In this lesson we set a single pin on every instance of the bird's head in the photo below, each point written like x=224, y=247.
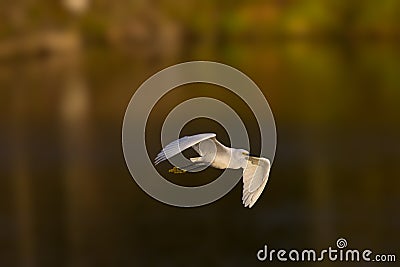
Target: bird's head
x=238, y=158
x=240, y=153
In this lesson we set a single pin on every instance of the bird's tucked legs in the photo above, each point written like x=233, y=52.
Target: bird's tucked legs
x=176, y=170
x=194, y=167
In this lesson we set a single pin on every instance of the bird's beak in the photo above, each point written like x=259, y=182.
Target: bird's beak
x=249, y=155
x=245, y=154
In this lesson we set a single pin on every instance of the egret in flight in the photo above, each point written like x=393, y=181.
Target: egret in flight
x=213, y=153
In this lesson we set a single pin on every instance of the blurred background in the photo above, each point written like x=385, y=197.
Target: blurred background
x=329, y=69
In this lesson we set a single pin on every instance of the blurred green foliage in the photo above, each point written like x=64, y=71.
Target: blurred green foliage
x=211, y=19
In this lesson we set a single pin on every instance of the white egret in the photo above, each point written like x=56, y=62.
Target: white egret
x=213, y=153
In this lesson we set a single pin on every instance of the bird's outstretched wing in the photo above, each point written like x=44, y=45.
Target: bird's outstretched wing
x=180, y=145
x=255, y=177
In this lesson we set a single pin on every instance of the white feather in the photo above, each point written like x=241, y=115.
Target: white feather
x=177, y=146
x=255, y=178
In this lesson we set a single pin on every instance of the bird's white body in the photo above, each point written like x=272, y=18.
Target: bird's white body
x=212, y=152
x=220, y=159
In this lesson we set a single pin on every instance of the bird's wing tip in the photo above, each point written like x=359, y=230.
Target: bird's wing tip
x=159, y=158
